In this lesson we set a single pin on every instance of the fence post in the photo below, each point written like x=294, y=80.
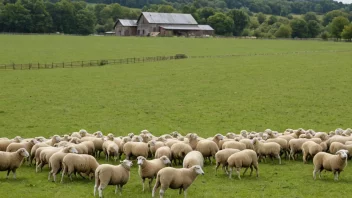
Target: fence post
x=52, y=64
x=38, y=65
x=134, y=59
x=30, y=66
x=82, y=63
x=21, y=66
x=63, y=65
x=13, y=65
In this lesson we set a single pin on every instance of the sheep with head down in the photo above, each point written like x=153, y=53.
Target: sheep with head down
x=193, y=158
x=147, y=169
x=310, y=148
x=334, y=163
x=55, y=161
x=179, y=151
x=107, y=174
x=268, y=148
x=10, y=161
x=81, y=163
x=176, y=178
x=243, y=159
x=221, y=158
x=164, y=150
x=4, y=143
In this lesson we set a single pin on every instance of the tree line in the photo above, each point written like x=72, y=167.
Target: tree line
x=79, y=17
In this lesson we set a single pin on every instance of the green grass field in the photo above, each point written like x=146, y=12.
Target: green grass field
x=206, y=96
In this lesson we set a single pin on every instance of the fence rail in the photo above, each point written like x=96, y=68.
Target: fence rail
x=89, y=63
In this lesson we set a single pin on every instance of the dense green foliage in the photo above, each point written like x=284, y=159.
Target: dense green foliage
x=206, y=96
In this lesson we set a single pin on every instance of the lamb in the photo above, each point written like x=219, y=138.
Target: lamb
x=10, y=161
x=149, y=168
x=326, y=161
x=245, y=158
x=193, y=158
x=164, y=150
x=81, y=163
x=55, y=161
x=335, y=146
x=4, y=143
x=179, y=151
x=135, y=149
x=208, y=149
x=174, y=178
x=234, y=145
x=221, y=158
x=310, y=148
x=269, y=148
x=107, y=174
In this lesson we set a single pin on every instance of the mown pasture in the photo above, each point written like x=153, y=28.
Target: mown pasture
x=205, y=95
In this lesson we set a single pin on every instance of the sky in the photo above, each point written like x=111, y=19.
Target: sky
x=344, y=1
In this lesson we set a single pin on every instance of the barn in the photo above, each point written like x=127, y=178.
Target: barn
x=125, y=27
x=166, y=24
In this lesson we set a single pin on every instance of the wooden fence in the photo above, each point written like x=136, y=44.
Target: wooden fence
x=89, y=63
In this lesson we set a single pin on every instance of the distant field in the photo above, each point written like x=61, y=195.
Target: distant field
x=206, y=96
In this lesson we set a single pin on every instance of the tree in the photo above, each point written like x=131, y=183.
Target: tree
x=204, y=13
x=261, y=17
x=284, y=31
x=347, y=32
x=337, y=25
x=299, y=28
x=166, y=9
x=221, y=23
x=272, y=19
x=328, y=17
x=240, y=19
x=64, y=18
x=41, y=19
x=310, y=16
x=314, y=28
x=85, y=22
x=15, y=18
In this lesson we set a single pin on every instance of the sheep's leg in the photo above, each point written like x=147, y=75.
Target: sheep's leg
x=8, y=173
x=185, y=192
x=278, y=156
x=238, y=173
x=156, y=186
x=314, y=173
x=226, y=169
x=143, y=179
x=100, y=189
x=256, y=169
x=216, y=168
x=304, y=157
x=63, y=174
x=230, y=174
x=116, y=189
x=251, y=167
x=336, y=178
x=245, y=170
x=49, y=176
x=163, y=188
x=150, y=183
x=14, y=173
x=180, y=191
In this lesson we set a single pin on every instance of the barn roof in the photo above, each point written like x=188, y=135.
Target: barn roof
x=187, y=27
x=169, y=18
x=126, y=22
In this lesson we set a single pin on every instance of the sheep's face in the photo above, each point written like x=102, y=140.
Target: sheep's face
x=165, y=160
x=98, y=134
x=145, y=131
x=198, y=169
x=83, y=132
x=343, y=153
x=127, y=163
x=34, y=141
x=73, y=150
x=23, y=152
x=265, y=136
x=140, y=160
x=268, y=131
x=57, y=138
x=219, y=137
x=230, y=135
x=254, y=141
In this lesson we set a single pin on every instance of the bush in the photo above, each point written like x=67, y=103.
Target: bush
x=103, y=62
x=325, y=36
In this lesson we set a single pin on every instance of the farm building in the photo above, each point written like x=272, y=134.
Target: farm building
x=125, y=27
x=166, y=24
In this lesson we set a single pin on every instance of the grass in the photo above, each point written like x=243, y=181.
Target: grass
x=206, y=96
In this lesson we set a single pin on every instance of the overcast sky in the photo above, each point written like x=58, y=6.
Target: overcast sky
x=344, y=1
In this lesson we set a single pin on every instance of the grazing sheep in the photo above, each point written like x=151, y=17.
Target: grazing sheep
x=246, y=158
x=221, y=158
x=336, y=146
x=98, y=143
x=234, y=145
x=4, y=143
x=217, y=139
x=179, y=151
x=135, y=149
x=248, y=143
x=338, y=138
x=55, y=139
x=90, y=147
x=154, y=145
x=34, y=149
x=27, y=145
x=55, y=161
x=44, y=155
x=149, y=168
x=310, y=148
x=208, y=148
x=164, y=150
x=283, y=144
x=193, y=140
x=326, y=161
x=107, y=174
x=322, y=135
x=10, y=161
x=76, y=134
x=170, y=142
x=296, y=146
x=269, y=148
x=81, y=163
x=193, y=158
x=174, y=178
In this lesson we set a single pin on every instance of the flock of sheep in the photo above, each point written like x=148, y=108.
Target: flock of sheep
x=77, y=153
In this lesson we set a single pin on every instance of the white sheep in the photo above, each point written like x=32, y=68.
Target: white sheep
x=55, y=139
x=34, y=149
x=81, y=163
x=55, y=161
x=154, y=145
x=326, y=161
x=270, y=148
x=10, y=161
x=147, y=169
x=296, y=145
x=135, y=149
x=110, y=148
x=234, y=145
x=221, y=158
x=208, y=148
x=310, y=148
x=164, y=150
x=107, y=174
x=27, y=145
x=193, y=158
x=4, y=143
x=179, y=151
x=246, y=158
x=335, y=146
x=175, y=178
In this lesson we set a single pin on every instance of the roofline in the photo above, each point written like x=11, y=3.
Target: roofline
x=167, y=23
